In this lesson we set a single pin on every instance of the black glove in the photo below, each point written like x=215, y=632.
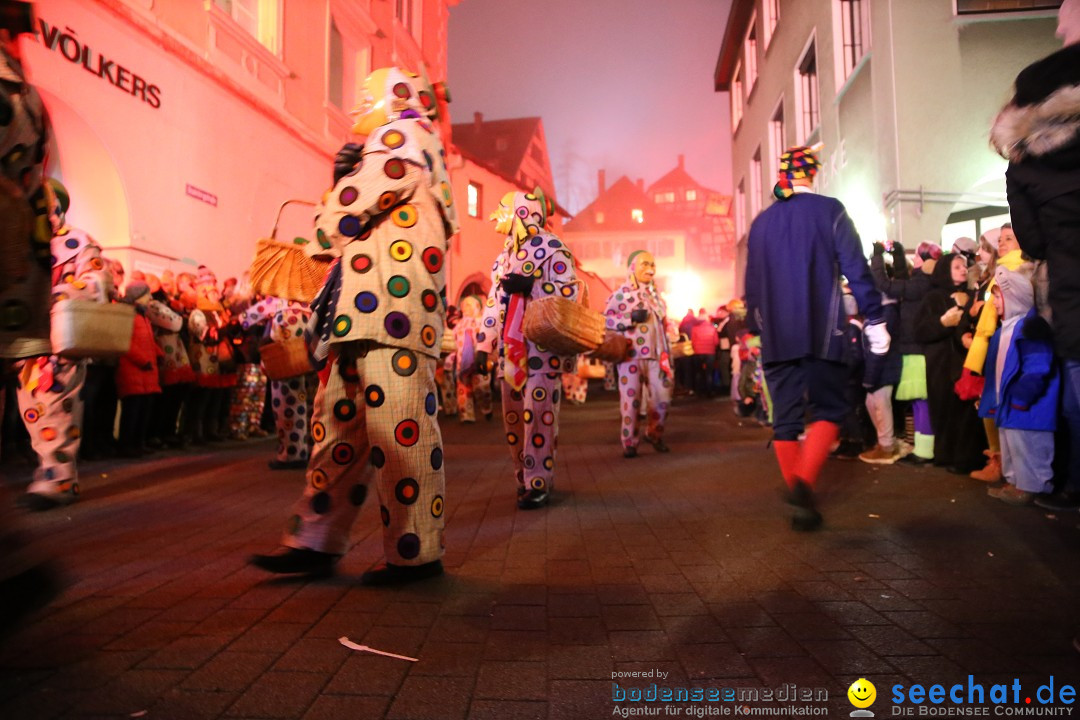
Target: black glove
x=518, y=284
x=879, y=248
x=481, y=361
x=639, y=316
x=347, y=158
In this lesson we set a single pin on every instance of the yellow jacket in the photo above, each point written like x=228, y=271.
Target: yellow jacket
x=988, y=319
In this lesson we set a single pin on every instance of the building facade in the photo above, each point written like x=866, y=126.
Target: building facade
x=182, y=125
x=901, y=94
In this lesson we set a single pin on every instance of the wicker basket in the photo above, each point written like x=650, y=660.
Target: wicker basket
x=614, y=349
x=282, y=360
x=682, y=348
x=564, y=327
x=448, y=344
x=283, y=269
x=87, y=329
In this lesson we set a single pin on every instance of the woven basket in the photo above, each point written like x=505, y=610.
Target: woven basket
x=87, y=329
x=564, y=327
x=282, y=360
x=682, y=348
x=448, y=344
x=614, y=349
x=283, y=269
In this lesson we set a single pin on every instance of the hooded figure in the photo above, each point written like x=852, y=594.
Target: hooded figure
x=534, y=264
x=940, y=324
x=473, y=381
x=637, y=311
x=1022, y=389
x=50, y=386
x=375, y=334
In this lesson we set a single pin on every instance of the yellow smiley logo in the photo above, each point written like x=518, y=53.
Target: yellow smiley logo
x=862, y=693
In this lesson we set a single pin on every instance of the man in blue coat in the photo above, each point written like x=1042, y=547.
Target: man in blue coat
x=798, y=250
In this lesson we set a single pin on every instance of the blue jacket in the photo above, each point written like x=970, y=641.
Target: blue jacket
x=1030, y=381
x=796, y=253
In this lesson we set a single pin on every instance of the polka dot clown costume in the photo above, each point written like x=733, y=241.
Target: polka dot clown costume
x=290, y=397
x=534, y=264
x=473, y=383
x=637, y=311
x=49, y=387
x=376, y=328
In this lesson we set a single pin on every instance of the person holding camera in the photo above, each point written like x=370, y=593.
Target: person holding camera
x=637, y=311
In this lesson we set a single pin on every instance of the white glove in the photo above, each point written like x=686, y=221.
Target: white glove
x=877, y=336
x=952, y=316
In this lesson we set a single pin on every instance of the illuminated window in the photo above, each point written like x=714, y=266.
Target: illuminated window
x=737, y=98
x=474, y=195
x=970, y=7
x=806, y=92
x=637, y=215
x=599, y=218
x=750, y=55
x=669, y=196
x=854, y=21
x=691, y=195
x=260, y=18
x=771, y=15
x=408, y=13
x=659, y=197
x=501, y=144
x=755, y=183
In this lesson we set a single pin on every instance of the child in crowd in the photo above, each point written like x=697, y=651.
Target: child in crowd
x=1022, y=389
x=137, y=375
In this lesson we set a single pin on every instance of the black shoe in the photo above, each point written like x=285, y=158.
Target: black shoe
x=533, y=499
x=296, y=560
x=806, y=516
x=659, y=444
x=913, y=459
x=806, y=520
x=389, y=574
x=287, y=464
x=1063, y=501
x=487, y=416
x=630, y=452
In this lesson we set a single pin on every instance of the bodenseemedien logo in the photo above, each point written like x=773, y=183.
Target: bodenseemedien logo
x=862, y=695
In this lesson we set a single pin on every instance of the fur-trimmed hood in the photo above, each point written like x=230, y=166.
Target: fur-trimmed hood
x=1044, y=115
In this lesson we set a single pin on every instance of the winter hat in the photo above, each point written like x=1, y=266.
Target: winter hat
x=966, y=247
x=928, y=251
x=795, y=164
x=135, y=290
x=992, y=236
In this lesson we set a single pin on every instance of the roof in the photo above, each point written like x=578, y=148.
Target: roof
x=738, y=20
x=481, y=139
x=471, y=157
x=675, y=179
x=615, y=203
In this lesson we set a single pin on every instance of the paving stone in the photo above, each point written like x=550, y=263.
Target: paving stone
x=278, y=694
x=505, y=680
x=431, y=698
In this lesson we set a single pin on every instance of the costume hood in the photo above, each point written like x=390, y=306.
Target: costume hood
x=521, y=215
x=941, y=277
x=1016, y=290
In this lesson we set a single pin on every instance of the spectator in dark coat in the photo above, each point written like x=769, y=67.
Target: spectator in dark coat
x=1039, y=133
x=939, y=325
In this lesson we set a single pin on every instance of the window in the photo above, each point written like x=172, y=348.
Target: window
x=855, y=34
x=501, y=144
x=806, y=87
x=750, y=55
x=403, y=11
x=691, y=195
x=658, y=198
x=972, y=7
x=637, y=215
x=737, y=99
x=740, y=209
x=475, y=196
x=755, y=183
x=771, y=15
x=599, y=218
x=776, y=138
x=260, y=18
x=336, y=91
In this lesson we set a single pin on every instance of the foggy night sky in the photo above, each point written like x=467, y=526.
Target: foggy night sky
x=624, y=85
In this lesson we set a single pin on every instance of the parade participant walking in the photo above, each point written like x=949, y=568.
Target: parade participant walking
x=377, y=323
x=473, y=381
x=534, y=264
x=797, y=251
x=638, y=312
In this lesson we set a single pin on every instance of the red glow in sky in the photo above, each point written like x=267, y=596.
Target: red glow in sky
x=625, y=85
